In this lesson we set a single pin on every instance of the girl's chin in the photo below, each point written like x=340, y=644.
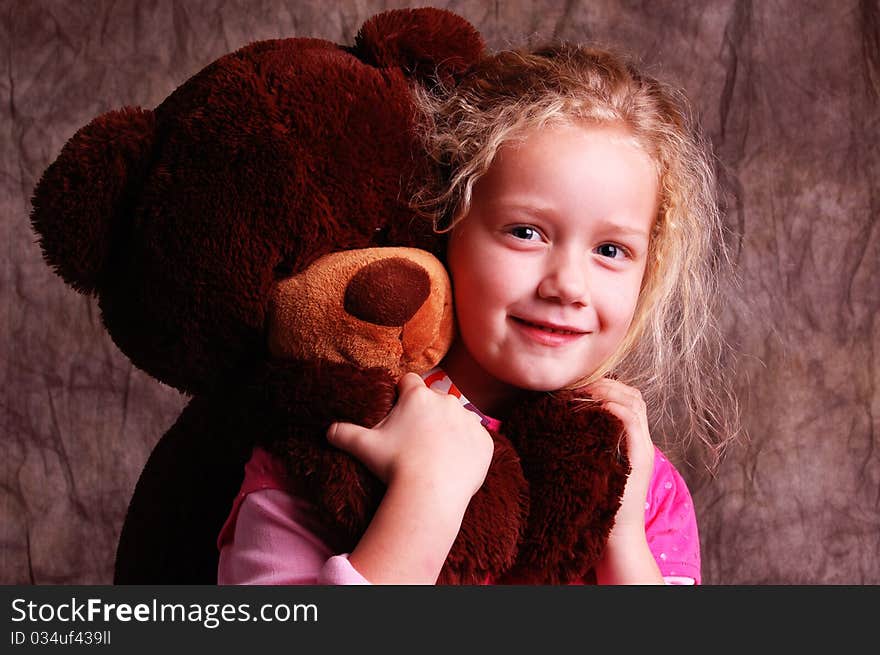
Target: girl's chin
x=550, y=381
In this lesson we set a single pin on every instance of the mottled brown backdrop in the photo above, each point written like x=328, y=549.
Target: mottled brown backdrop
x=788, y=91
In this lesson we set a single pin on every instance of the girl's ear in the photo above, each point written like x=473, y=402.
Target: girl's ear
x=81, y=204
x=430, y=45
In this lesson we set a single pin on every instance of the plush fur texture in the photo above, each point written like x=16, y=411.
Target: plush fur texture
x=575, y=463
x=541, y=517
x=388, y=308
x=195, y=222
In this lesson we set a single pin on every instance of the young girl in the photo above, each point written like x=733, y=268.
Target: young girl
x=584, y=246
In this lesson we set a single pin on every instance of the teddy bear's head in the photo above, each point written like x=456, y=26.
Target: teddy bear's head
x=200, y=225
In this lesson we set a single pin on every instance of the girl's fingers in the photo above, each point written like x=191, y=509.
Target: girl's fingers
x=634, y=427
x=625, y=413
x=348, y=437
x=608, y=386
x=628, y=405
x=617, y=392
x=409, y=381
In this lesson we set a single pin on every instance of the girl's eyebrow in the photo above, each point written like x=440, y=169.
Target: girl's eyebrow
x=624, y=229
x=522, y=205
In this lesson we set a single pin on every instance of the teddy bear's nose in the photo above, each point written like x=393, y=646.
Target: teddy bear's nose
x=387, y=292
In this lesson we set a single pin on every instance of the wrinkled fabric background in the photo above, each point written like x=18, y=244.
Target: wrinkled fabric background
x=788, y=92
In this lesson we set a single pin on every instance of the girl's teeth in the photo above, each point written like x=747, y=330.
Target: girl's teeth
x=546, y=329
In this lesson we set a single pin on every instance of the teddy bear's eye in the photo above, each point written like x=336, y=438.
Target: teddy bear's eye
x=380, y=235
x=283, y=269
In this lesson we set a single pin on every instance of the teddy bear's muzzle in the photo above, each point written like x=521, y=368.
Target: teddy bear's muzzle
x=375, y=307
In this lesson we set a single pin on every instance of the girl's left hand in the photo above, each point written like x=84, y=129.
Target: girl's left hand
x=626, y=403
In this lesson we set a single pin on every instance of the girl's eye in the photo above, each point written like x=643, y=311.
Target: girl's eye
x=610, y=250
x=525, y=233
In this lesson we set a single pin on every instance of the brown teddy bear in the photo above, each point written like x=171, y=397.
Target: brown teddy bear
x=250, y=243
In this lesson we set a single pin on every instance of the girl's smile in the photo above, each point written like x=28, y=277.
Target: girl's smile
x=548, y=263
x=547, y=334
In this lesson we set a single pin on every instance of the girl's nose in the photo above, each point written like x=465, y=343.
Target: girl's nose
x=566, y=281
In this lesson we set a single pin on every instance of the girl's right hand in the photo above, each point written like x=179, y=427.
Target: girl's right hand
x=433, y=455
x=428, y=438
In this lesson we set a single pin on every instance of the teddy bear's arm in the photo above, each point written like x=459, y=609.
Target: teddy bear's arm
x=576, y=470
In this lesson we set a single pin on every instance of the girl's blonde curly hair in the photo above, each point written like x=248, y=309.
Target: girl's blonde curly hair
x=674, y=352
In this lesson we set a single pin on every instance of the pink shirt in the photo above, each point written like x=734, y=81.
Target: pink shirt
x=272, y=537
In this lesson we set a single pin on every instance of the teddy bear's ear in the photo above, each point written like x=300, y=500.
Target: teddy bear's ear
x=428, y=44
x=79, y=200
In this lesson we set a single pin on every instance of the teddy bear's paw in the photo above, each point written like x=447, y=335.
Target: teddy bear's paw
x=307, y=396
x=289, y=405
x=493, y=524
x=574, y=460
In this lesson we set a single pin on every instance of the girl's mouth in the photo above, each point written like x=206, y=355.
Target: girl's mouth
x=552, y=329
x=547, y=334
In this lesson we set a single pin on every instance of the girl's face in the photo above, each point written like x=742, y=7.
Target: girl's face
x=547, y=265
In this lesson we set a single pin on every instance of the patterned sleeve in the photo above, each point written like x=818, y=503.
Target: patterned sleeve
x=671, y=524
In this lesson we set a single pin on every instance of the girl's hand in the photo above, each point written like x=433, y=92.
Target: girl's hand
x=627, y=558
x=428, y=438
x=433, y=455
x=626, y=403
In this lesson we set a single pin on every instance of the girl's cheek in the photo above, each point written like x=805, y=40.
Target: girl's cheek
x=615, y=306
x=510, y=279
